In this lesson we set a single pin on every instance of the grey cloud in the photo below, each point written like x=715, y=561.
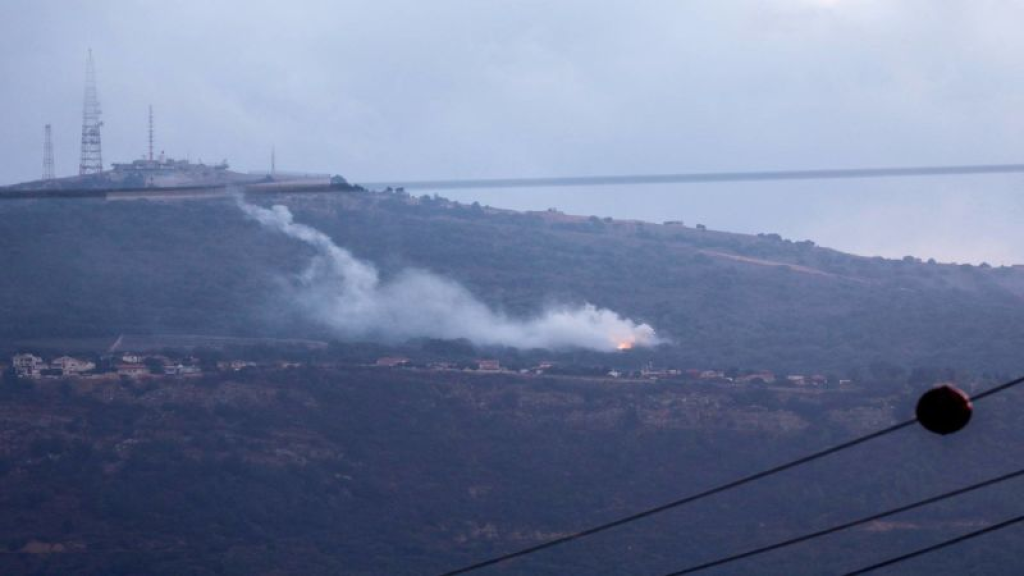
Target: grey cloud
x=403, y=89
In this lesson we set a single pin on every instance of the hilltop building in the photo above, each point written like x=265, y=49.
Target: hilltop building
x=151, y=171
x=162, y=171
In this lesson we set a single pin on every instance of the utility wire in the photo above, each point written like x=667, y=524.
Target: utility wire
x=710, y=492
x=682, y=501
x=851, y=524
x=939, y=546
x=996, y=389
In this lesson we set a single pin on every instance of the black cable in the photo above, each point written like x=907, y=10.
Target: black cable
x=997, y=389
x=681, y=501
x=939, y=546
x=851, y=524
x=703, y=177
x=709, y=492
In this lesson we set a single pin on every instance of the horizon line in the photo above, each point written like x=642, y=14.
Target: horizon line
x=703, y=177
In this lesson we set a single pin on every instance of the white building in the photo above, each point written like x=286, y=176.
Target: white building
x=488, y=366
x=235, y=365
x=69, y=365
x=132, y=370
x=180, y=369
x=28, y=365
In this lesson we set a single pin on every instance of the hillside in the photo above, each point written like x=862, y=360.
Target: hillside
x=329, y=465
x=93, y=268
x=373, y=471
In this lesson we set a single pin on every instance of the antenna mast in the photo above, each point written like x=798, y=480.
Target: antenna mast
x=48, y=155
x=92, y=154
x=150, y=132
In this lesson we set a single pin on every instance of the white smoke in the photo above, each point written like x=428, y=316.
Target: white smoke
x=348, y=296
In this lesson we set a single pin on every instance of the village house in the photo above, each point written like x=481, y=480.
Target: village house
x=392, y=361
x=539, y=368
x=488, y=366
x=28, y=365
x=69, y=366
x=132, y=370
x=235, y=365
x=180, y=369
x=650, y=371
x=763, y=376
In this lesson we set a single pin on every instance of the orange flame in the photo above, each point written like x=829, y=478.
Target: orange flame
x=625, y=345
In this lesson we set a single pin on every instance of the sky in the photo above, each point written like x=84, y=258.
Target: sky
x=408, y=90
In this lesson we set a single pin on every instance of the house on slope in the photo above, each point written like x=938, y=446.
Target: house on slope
x=488, y=366
x=70, y=366
x=28, y=365
x=132, y=370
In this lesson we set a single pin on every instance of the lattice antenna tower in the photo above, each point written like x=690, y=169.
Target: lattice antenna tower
x=48, y=173
x=92, y=150
x=150, y=132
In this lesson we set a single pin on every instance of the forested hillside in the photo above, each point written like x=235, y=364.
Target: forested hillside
x=331, y=466
x=90, y=268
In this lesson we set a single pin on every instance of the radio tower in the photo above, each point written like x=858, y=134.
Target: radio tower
x=48, y=155
x=150, y=132
x=92, y=152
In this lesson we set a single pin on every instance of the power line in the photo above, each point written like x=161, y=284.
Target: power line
x=682, y=501
x=939, y=546
x=710, y=492
x=707, y=177
x=851, y=524
x=996, y=389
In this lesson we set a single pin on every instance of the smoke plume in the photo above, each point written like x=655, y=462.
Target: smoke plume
x=348, y=296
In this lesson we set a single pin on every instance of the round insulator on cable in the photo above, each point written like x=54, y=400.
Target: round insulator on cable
x=944, y=410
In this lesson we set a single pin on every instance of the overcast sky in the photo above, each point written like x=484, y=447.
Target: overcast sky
x=412, y=89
